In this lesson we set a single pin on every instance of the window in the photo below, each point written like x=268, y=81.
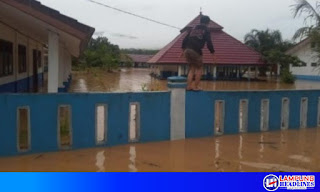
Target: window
x=6, y=58
x=314, y=64
x=22, y=53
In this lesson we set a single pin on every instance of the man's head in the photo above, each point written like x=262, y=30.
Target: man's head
x=205, y=20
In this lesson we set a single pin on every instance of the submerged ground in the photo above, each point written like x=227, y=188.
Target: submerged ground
x=289, y=151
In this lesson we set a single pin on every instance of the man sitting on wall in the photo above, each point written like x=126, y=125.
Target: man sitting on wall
x=192, y=45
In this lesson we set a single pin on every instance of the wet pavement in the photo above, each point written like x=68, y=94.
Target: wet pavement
x=136, y=80
x=292, y=151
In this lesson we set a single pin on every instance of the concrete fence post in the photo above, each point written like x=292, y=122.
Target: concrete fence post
x=177, y=86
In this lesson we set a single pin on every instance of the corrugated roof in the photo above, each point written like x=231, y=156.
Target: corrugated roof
x=229, y=51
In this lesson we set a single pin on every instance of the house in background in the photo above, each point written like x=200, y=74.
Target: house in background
x=309, y=71
x=235, y=60
x=140, y=61
x=34, y=38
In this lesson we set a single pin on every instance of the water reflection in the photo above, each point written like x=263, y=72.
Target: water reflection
x=133, y=80
x=100, y=159
x=132, y=159
x=289, y=150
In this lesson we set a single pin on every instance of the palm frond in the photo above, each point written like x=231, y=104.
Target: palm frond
x=302, y=33
x=303, y=6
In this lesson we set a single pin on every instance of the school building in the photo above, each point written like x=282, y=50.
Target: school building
x=38, y=43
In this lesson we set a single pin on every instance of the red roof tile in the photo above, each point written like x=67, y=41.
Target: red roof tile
x=229, y=51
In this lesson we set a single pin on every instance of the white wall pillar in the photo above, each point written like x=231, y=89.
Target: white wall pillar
x=214, y=72
x=177, y=86
x=53, y=62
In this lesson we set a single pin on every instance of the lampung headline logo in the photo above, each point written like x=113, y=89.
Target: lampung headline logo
x=289, y=182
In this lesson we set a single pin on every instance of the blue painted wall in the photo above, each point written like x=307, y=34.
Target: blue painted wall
x=23, y=85
x=155, y=119
x=200, y=110
x=154, y=114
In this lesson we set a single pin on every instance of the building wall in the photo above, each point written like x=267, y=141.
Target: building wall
x=305, y=54
x=20, y=82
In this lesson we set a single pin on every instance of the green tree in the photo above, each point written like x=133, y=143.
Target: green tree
x=272, y=47
x=100, y=53
x=311, y=14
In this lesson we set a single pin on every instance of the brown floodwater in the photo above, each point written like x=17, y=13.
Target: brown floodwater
x=290, y=151
x=135, y=80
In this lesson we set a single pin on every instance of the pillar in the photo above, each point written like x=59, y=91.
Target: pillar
x=249, y=73
x=238, y=72
x=61, y=87
x=279, y=69
x=53, y=62
x=256, y=72
x=179, y=70
x=214, y=72
x=177, y=86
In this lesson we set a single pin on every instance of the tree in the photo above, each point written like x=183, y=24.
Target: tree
x=272, y=47
x=312, y=24
x=312, y=18
x=100, y=53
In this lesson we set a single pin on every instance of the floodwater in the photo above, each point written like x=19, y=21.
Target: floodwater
x=289, y=151
x=136, y=80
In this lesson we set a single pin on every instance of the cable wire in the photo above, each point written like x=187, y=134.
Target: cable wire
x=132, y=14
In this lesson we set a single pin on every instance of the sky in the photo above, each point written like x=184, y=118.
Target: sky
x=237, y=17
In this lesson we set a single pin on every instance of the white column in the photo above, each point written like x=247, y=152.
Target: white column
x=179, y=70
x=249, y=73
x=53, y=62
x=279, y=70
x=178, y=107
x=214, y=72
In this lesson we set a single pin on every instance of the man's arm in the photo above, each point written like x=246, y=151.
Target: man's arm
x=209, y=42
x=185, y=41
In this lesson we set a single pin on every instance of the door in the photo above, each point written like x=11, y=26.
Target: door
x=35, y=71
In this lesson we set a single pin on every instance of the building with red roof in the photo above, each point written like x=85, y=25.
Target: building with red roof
x=233, y=58
x=140, y=61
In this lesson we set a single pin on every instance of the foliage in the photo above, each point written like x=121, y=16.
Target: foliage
x=312, y=24
x=100, y=53
x=287, y=77
x=140, y=51
x=312, y=18
x=272, y=47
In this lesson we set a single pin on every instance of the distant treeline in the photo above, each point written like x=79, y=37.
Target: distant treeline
x=139, y=51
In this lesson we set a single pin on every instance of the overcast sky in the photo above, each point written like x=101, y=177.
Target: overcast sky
x=237, y=17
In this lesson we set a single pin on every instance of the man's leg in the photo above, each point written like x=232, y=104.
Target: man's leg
x=190, y=77
x=198, y=73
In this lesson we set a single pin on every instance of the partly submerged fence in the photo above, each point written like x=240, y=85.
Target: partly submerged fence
x=53, y=122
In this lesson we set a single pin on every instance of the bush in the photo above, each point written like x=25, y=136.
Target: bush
x=287, y=77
